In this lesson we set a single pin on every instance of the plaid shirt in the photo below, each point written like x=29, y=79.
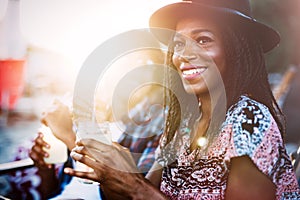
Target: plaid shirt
x=142, y=133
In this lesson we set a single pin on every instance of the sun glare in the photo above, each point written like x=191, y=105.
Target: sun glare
x=76, y=28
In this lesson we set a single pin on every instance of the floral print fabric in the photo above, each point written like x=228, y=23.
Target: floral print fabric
x=249, y=129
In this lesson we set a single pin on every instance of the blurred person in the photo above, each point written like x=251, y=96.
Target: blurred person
x=142, y=143
x=242, y=154
x=144, y=113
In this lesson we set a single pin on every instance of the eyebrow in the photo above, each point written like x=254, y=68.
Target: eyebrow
x=201, y=30
x=196, y=31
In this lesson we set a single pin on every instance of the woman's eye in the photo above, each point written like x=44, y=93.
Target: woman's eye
x=178, y=45
x=204, y=40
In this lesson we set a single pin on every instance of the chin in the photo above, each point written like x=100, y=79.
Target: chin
x=194, y=87
x=190, y=89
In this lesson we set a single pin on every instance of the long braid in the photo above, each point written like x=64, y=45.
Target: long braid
x=246, y=60
x=178, y=113
x=171, y=102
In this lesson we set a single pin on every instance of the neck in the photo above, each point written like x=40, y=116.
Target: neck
x=205, y=107
x=213, y=110
x=203, y=124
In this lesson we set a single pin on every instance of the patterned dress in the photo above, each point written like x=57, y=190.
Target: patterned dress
x=249, y=129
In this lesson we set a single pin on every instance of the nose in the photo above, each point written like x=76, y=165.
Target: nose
x=187, y=57
x=187, y=53
x=183, y=57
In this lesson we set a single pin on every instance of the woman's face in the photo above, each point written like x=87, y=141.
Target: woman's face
x=200, y=59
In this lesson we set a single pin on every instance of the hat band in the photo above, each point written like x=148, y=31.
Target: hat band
x=240, y=6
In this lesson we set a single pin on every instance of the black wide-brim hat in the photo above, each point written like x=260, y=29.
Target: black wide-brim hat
x=237, y=10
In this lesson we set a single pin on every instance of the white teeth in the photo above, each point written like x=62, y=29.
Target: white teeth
x=193, y=71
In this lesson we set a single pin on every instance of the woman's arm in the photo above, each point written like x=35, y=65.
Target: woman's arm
x=139, y=188
x=114, y=169
x=154, y=175
x=246, y=181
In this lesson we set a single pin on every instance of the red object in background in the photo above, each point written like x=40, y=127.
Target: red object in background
x=11, y=82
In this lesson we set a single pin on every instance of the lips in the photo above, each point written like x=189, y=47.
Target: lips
x=192, y=72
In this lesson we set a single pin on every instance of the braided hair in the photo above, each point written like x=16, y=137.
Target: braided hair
x=245, y=58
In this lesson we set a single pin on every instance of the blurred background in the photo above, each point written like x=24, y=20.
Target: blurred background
x=47, y=41
x=284, y=16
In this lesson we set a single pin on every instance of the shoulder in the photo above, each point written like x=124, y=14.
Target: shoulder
x=251, y=124
x=249, y=116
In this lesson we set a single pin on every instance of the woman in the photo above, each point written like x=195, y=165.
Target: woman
x=243, y=155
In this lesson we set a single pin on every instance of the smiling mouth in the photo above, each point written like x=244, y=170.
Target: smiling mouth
x=189, y=72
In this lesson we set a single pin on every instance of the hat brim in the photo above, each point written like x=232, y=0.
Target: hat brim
x=167, y=17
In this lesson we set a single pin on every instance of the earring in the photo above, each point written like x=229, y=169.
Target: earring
x=199, y=103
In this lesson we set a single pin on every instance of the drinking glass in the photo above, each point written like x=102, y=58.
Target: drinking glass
x=92, y=130
x=58, y=152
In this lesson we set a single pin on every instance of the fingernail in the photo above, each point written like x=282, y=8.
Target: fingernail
x=78, y=148
x=75, y=155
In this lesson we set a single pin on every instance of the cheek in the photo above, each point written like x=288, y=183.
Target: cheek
x=175, y=60
x=218, y=56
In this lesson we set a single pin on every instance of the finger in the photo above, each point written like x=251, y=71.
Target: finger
x=43, y=121
x=39, y=160
x=90, y=159
x=39, y=147
x=87, y=142
x=86, y=150
x=96, y=174
x=34, y=156
x=81, y=174
x=96, y=159
x=105, y=154
x=40, y=141
x=120, y=147
x=78, y=149
x=78, y=157
x=94, y=144
x=92, y=153
x=39, y=150
x=125, y=152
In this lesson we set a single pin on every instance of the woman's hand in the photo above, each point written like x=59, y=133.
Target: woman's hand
x=114, y=168
x=106, y=160
x=37, y=152
x=59, y=119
